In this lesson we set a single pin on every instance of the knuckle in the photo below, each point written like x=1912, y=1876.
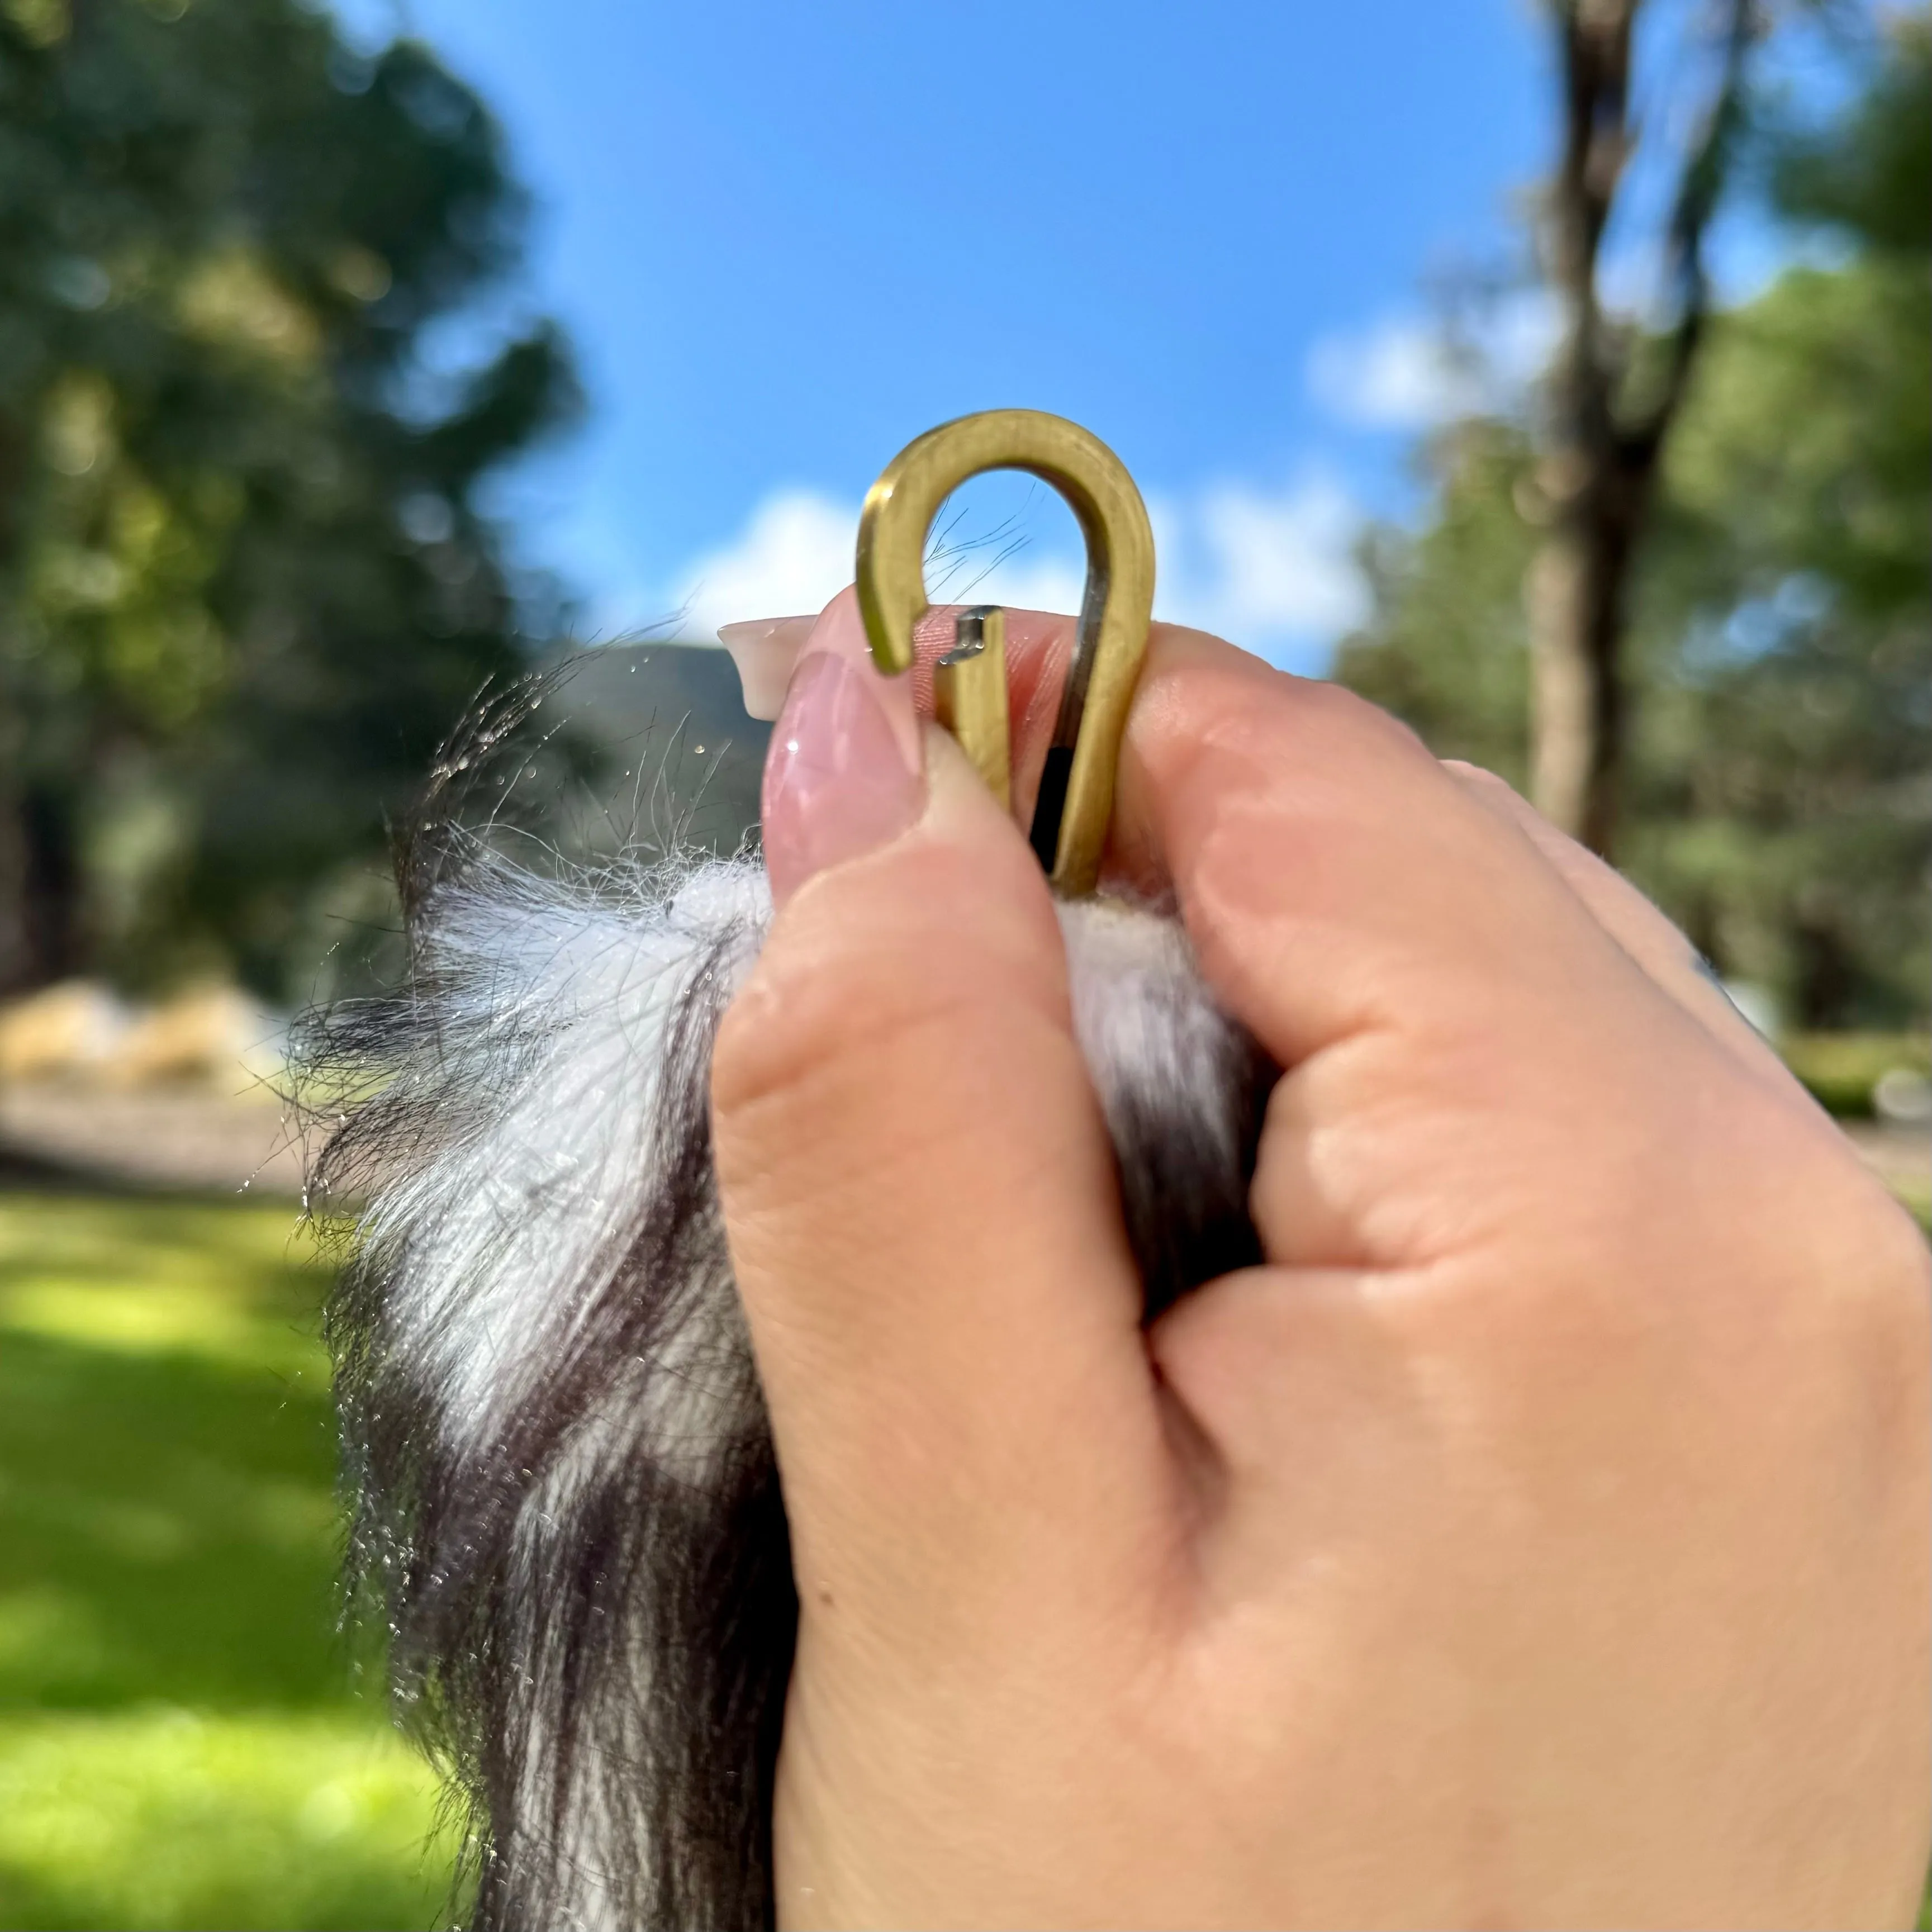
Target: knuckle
x=807, y=1136
x=798, y=1021
x=1871, y=1362
x=863, y=981
x=1480, y=779
x=1887, y=1290
x=1834, y=1280
x=1236, y=707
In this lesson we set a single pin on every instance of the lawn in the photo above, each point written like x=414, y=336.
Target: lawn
x=185, y=1738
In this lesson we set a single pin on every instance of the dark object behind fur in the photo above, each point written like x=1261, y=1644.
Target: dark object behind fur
x=564, y=1493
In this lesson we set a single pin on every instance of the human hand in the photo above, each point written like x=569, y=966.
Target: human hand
x=1541, y=1536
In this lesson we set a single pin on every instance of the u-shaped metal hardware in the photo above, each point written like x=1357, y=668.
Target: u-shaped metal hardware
x=1076, y=790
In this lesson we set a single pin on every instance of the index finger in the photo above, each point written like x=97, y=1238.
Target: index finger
x=1333, y=877
x=1368, y=872
x=1367, y=887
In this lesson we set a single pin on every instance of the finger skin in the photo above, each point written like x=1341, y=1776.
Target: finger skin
x=1040, y=644
x=1540, y=1537
x=1332, y=875
x=1508, y=1183
x=1637, y=925
x=919, y=1200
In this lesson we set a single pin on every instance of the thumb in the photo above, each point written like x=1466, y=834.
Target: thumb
x=920, y=1199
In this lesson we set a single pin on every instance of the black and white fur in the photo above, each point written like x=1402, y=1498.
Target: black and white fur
x=563, y=1483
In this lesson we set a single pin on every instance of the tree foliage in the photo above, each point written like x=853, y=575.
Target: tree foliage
x=1611, y=393
x=245, y=583
x=1780, y=799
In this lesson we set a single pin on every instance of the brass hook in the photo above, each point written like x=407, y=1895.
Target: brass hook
x=1076, y=789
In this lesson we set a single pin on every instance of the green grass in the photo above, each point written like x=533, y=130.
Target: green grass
x=182, y=1741
x=1842, y=1069
x=185, y=1740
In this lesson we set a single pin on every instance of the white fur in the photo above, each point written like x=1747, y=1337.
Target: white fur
x=517, y=1166
x=562, y=1002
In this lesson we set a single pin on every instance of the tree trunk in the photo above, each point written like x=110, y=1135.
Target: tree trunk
x=1576, y=593
x=15, y=944
x=40, y=910
x=1577, y=689
x=1825, y=977
x=16, y=971
x=1597, y=470
x=40, y=890
x=1572, y=594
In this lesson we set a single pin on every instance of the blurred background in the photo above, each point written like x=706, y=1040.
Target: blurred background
x=1557, y=373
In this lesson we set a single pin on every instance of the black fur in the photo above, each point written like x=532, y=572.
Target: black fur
x=590, y=1600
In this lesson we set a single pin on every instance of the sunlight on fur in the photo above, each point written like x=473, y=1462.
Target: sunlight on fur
x=565, y=1501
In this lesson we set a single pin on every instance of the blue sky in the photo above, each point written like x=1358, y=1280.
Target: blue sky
x=787, y=236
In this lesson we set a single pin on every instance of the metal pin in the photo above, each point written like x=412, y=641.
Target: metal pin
x=1076, y=791
x=969, y=696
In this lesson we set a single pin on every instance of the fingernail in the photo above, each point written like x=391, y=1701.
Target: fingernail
x=837, y=781
x=766, y=650
x=841, y=630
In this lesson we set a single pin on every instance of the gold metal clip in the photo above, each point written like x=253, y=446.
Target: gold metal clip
x=969, y=696
x=1076, y=790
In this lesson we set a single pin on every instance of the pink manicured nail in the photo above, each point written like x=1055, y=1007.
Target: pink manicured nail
x=766, y=650
x=837, y=782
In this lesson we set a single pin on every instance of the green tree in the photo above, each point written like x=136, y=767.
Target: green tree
x=1612, y=393
x=1781, y=626
x=245, y=584
x=1448, y=647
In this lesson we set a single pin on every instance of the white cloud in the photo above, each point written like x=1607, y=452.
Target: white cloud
x=1404, y=372
x=794, y=556
x=1397, y=373
x=1519, y=337
x=1273, y=570
x=1278, y=567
